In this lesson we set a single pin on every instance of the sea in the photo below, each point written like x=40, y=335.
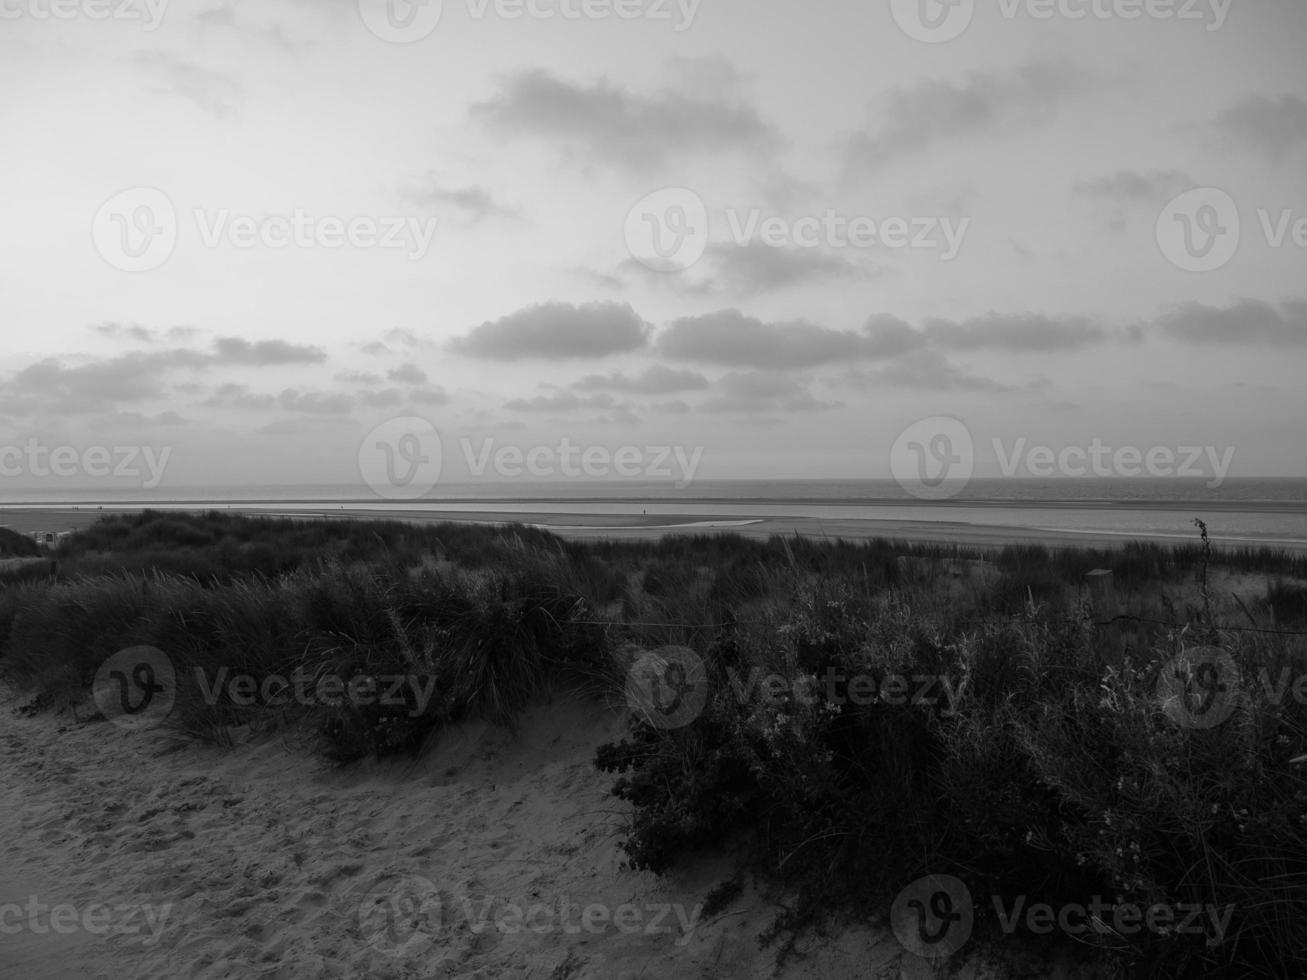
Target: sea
x=1271, y=511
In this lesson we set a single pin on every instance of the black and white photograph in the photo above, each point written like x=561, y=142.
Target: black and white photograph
x=653, y=489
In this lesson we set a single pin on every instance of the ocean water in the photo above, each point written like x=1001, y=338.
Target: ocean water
x=1287, y=491
x=1265, y=511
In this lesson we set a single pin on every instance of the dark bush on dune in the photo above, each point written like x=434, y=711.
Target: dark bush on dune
x=1052, y=773
x=15, y=545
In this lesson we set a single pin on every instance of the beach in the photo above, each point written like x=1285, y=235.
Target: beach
x=261, y=861
x=589, y=520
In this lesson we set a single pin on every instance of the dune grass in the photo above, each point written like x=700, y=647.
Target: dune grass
x=15, y=545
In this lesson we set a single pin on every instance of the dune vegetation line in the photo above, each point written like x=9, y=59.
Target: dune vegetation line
x=852, y=717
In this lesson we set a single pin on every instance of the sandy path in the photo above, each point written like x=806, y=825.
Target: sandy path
x=35, y=951
x=255, y=862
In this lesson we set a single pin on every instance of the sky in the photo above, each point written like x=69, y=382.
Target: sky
x=318, y=241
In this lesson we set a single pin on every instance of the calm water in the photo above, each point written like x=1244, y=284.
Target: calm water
x=1291, y=492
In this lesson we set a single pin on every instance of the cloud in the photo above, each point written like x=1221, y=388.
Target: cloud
x=743, y=270
x=399, y=337
x=234, y=350
x=1011, y=332
x=477, y=202
x=602, y=121
x=889, y=336
x=418, y=390
x=708, y=73
x=302, y=426
x=782, y=191
x=225, y=17
x=315, y=402
x=359, y=378
x=213, y=91
x=763, y=392
x=622, y=415
x=728, y=337
x=240, y=397
x=674, y=407
x=561, y=401
x=53, y=386
x=133, y=421
x=1271, y=126
x=408, y=374
x=1247, y=323
x=911, y=120
x=657, y=380
x=954, y=198
x=383, y=398
x=220, y=16
x=927, y=370
x=1128, y=186
x=49, y=385
x=428, y=395
x=1015, y=332
x=424, y=394
x=557, y=331
x=397, y=340
x=604, y=280
x=132, y=330
x=144, y=335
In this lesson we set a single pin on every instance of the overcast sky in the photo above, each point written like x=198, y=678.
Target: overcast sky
x=177, y=181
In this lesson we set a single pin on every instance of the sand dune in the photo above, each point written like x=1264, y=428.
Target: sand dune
x=260, y=861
